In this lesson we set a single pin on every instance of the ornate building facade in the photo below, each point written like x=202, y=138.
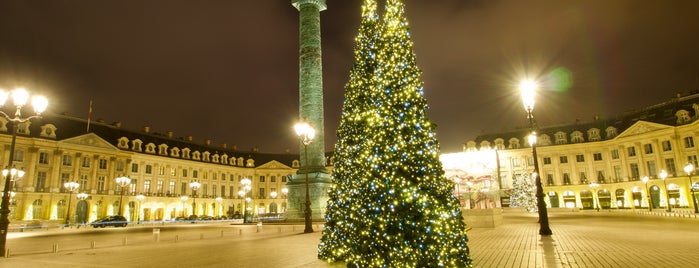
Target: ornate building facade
x=57, y=149
x=602, y=164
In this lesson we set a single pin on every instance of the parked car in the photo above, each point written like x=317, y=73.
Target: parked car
x=115, y=221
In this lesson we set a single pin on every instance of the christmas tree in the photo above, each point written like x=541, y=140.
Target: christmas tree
x=523, y=193
x=391, y=206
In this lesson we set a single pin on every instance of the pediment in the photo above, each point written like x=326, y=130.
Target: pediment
x=88, y=140
x=642, y=127
x=274, y=164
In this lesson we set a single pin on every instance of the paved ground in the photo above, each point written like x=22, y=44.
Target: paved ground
x=580, y=239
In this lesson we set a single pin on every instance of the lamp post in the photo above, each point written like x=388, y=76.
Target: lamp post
x=650, y=200
x=195, y=186
x=122, y=182
x=306, y=133
x=594, y=187
x=184, y=199
x=689, y=168
x=663, y=176
x=243, y=194
x=70, y=187
x=140, y=198
x=20, y=98
x=528, y=89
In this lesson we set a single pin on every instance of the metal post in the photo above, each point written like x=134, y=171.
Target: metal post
x=544, y=228
x=307, y=214
x=5, y=210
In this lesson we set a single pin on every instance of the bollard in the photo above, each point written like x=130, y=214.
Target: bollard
x=92, y=244
x=259, y=226
x=201, y=236
x=7, y=253
x=279, y=230
x=55, y=248
x=240, y=231
x=156, y=234
x=221, y=233
x=123, y=241
x=177, y=237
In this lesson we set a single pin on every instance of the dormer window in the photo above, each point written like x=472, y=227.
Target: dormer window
x=593, y=134
x=577, y=137
x=499, y=144
x=162, y=149
x=150, y=148
x=123, y=143
x=185, y=153
x=136, y=145
x=611, y=132
x=206, y=157
x=561, y=137
x=215, y=158
x=250, y=163
x=240, y=161
x=683, y=117
x=485, y=145
x=544, y=140
x=196, y=155
x=514, y=143
x=48, y=131
x=175, y=152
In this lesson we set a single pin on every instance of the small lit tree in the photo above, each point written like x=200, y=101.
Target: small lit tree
x=523, y=193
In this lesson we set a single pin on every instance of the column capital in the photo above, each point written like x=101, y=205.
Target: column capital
x=319, y=3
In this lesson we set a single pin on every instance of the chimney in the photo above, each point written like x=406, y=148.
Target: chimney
x=207, y=142
x=169, y=134
x=224, y=145
x=146, y=129
x=234, y=147
x=189, y=138
x=117, y=124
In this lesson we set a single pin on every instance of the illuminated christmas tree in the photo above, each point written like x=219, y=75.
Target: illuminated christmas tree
x=391, y=206
x=523, y=193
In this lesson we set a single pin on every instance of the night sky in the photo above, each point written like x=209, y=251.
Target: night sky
x=228, y=70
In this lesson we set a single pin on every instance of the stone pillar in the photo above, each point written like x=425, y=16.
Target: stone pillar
x=310, y=111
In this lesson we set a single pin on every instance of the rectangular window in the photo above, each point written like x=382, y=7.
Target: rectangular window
x=615, y=154
x=205, y=189
x=566, y=179
x=583, y=178
x=40, y=181
x=651, y=168
x=100, y=184
x=667, y=146
x=132, y=186
x=149, y=169
x=43, y=158
x=692, y=159
x=617, y=173
x=631, y=151
x=262, y=178
x=120, y=165
x=223, y=191
x=67, y=160
x=262, y=193
x=213, y=190
x=161, y=170
x=600, y=177
x=134, y=168
x=171, y=188
x=19, y=156
x=689, y=142
x=103, y=164
x=549, y=179
x=214, y=176
x=183, y=188
x=634, y=171
x=195, y=174
x=273, y=179
x=146, y=186
x=184, y=172
x=597, y=156
x=65, y=177
x=530, y=161
x=173, y=172
x=232, y=191
x=648, y=148
x=547, y=160
x=86, y=162
x=83, y=182
x=670, y=165
x=223, y=176
x=516, y=162
x=159, y=187
x=564, y=159
x=580, y=158
x=283, y=178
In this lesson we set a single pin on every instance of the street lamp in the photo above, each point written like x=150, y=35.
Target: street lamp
x=594, y=187
x=528, y=89
x=689, y=168
x=70, y=187
x=306, y=134
x=122, y=182
x=184, y=199
x=663, y=175
x=195, y=186
x=243, y=194
x=20, y=98
x=140, y=198
x=650, y=200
